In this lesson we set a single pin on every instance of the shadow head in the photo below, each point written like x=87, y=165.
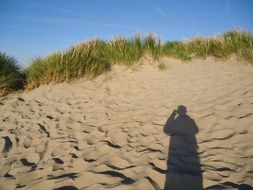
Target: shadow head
x=181, y=110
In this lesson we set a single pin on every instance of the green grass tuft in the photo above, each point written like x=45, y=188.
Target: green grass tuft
x=11, y=78
x=176, y=49
x=233, y=42
x=85, y=59
x=152, y=46
x=123, y=50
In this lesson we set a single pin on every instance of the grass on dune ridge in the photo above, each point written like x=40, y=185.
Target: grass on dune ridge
x=87, y=58
x=95, y=56
x=11, y=78
x=90, y=58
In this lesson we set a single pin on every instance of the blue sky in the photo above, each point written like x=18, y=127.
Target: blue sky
x=30, y=28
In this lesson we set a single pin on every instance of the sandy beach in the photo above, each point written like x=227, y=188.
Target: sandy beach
x=118, y=130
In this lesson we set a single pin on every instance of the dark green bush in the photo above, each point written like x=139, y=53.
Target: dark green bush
x=10, y=76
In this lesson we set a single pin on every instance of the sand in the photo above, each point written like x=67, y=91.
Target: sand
x=108, y=133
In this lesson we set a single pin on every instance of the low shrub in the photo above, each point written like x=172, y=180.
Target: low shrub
x=11, y=78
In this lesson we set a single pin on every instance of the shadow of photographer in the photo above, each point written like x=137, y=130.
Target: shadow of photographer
x=183, y=165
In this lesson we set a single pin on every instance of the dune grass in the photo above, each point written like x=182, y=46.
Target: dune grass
x=90, y=58
x=152, y=46
x=95, y=56
x=123, y=50
x=127, y=51
x=11, y=77
x=85, y=59
x=176, y=49
x=232, y=42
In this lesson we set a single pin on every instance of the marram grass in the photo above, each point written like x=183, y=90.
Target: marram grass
x=85, y=59
x=232, y=42
x=93, y=57
x=125, y=51
x=176, y=49
x=11, y=78
x=90, y=58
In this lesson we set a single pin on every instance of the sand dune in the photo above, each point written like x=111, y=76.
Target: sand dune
x=108, y=133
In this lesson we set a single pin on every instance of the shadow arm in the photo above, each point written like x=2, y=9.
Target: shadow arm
x=167, y=127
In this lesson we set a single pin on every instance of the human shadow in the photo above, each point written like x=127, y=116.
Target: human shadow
x=183, y=165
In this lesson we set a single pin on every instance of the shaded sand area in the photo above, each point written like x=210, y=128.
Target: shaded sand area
x=119, y=130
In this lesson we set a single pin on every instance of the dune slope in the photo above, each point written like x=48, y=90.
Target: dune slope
x=108, y=133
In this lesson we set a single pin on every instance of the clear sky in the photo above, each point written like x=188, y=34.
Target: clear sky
x=30, y=28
